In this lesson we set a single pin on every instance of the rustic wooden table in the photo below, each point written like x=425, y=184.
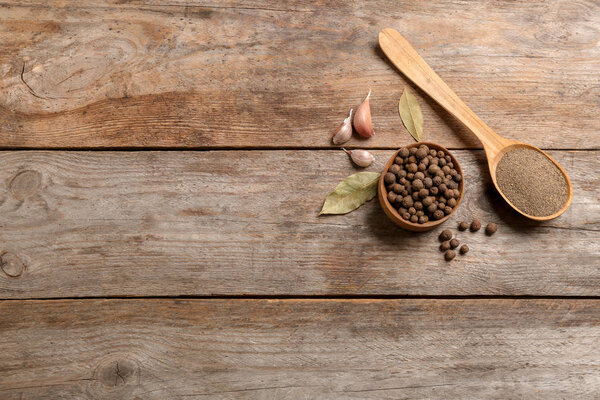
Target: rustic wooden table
x=183, y=256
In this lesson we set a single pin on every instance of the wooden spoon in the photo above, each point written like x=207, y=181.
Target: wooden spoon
x=408, y=61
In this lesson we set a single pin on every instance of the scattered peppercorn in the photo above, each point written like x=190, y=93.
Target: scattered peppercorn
x=445, y=235
x=450, y=254
x=491, y=228
x=454, y=243
x=464, y=249
x=445, y=246
x=475, y=225
x=463, y=226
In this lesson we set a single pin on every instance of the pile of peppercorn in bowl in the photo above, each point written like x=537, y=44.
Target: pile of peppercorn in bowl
x=421, y=186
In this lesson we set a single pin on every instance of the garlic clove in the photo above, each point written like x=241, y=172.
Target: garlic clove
x=362, y=119
x=344, y=132
x=362, y=158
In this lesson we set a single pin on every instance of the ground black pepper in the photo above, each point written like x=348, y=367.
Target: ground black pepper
x=532, y=182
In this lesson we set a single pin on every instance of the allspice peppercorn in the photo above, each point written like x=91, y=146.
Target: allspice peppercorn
x=445, y=246
x=454, y=243
x=445, y=235
x=463, y=226
x=475, y=225
x=491, y=228
x=450, y=254
x=464, y=249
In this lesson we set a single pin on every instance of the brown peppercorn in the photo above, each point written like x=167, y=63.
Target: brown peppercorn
x=420, y=213
x=457, y=177
x=414, y=219
x=403, y=152
x=402, y=181
x=412, y=150
x=475, y=225
x=396, y=187
x=452, y=185
x=427, y=201
x=418, y=205
x=432, y=168
x=437, y=180
x=394, y=168
x=432, y=208
x=491, y=228
x=417, y=184
x=433, y=153
x=423, y=193
x=454, y=243
x=422, y=167
x=445, y=246
x=427, y=182
x=412, y=167
x=406, y=216
x=407, y=202
x=442, y=162
x=445, y=235
x=419, y=175
x=450, y=164
x=410, y=176
x=402, y=210
x=450, y=254
x=434, y=161
x=441, y=154
x=415, y=195
x=464, y=249
x=443, y=187
x=412, y=160
x=446, y=169
x=389, y=178
x=412, y=211
x=439, y=214
x=448, y=194
x=434, y=190
x=425, y=161
x=401, y=174
x=452, y=202
x=463, y=226
x=420, y=153
x=442, y=201
x=447, y=210
x=422, y=219
x=456, y=193
x=440, y=173
x=391, y=197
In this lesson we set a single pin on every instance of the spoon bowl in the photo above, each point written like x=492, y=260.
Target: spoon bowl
x=410, y=63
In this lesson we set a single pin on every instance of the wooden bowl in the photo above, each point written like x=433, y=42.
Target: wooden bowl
x=392, y=213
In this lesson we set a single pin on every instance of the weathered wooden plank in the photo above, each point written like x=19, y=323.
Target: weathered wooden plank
x=270, y=74
x=298, y=349
x=246, y=222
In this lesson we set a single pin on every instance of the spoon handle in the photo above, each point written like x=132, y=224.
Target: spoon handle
x=410, y=63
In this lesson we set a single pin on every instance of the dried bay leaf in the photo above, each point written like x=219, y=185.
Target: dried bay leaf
x=351, y=193
x=411, y=115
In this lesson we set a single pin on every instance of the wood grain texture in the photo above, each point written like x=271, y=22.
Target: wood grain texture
x=299, y=349
x=272, y=74
x=246, y=222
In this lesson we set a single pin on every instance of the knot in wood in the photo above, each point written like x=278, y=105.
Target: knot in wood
x=25, y=184
x=11, y=264
x=116, y=373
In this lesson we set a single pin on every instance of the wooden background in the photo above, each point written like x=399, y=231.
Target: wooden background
x=162, y=165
